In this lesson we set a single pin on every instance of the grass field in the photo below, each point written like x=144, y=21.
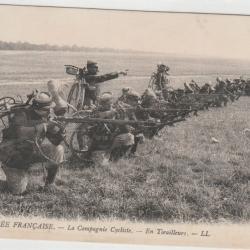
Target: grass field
x=183, y=177
x=180, y=177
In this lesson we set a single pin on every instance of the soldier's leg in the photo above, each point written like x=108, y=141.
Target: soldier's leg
x=119, y=152
x=225, y=100
x=93, y=147
x=56, y=154
x=82, y=131
x=134, y=146
x=139, y=139
x=16, y=172
x=79, y=137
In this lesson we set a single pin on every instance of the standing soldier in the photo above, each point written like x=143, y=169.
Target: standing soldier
x=92, y=79
x=159, y=80
x=220, y=89
x=29, y=125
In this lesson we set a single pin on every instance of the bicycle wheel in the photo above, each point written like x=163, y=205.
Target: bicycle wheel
x=77, y=95
x=4, y=101
x=80, y=104
x=74, y=95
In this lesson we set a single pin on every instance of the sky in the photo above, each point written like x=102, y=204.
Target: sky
x=182, y=34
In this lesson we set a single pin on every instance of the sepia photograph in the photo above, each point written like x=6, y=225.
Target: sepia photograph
x=123, y=116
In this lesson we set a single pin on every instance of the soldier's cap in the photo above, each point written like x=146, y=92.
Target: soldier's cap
x=91, y=63
x=43, y=100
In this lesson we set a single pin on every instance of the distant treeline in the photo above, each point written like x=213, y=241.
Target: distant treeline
x=30, y=46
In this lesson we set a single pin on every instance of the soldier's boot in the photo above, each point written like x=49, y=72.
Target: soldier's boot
x=134, y=148
x=51, y=174
x=225, y=102
x=79, y=136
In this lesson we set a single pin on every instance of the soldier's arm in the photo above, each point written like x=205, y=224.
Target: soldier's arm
x=92, y=79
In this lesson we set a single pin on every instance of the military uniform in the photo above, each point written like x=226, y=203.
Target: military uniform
x=160, y=77
x=25, y=124
x=92, y=91
x=130, y=109
x=220, y=89
x=113, y=139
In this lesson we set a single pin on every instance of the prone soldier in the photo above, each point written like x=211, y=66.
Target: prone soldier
x=115, y=140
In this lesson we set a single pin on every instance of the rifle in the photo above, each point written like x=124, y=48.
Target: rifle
x=116, y=122
x=157, y=110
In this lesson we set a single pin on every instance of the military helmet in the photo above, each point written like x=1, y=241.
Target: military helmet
x=43, y=100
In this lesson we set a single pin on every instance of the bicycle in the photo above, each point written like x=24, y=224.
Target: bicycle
x=76, y=96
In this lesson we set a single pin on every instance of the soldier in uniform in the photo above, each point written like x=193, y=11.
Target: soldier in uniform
x=160, y=80
x=128, y=103
x=26, y=124
x=220, y=89
x=115, y=140
x=133, y=110
x=123, y=97
x=93, y=79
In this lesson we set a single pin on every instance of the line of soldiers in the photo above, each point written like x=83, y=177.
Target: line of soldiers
x=208, y=95
x=158, y=104
x=149, y=116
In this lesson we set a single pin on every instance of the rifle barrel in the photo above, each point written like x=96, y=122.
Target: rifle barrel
x=111, y=121
x=157, y=110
